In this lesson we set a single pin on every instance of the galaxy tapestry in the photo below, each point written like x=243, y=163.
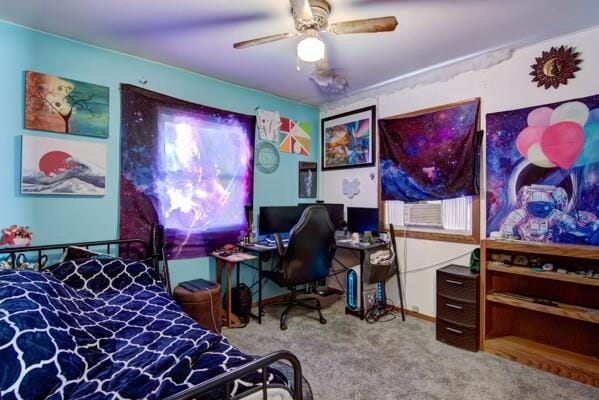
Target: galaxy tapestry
x=543, y=172
x=430, y=155
x=187, y=167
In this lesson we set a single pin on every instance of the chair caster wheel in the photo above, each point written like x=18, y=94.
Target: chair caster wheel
x=283, y=327
x=323, y=321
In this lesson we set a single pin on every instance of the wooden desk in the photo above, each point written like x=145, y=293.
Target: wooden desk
x=229, y=263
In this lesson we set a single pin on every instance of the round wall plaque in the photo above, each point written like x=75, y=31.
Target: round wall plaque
x=267, y=157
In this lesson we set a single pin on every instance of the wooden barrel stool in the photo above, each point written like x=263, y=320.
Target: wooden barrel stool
x=204, y=305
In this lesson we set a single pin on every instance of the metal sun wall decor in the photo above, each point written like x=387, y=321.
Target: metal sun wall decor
x=543, y=172
x=555, y=67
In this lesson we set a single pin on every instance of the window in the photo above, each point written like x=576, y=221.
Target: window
x=454, y=220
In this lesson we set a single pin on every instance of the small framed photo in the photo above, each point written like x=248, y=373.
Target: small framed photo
x=307, y=180
x=348, y=139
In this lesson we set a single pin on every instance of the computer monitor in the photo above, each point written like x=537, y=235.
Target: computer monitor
x=335, y=212
x=281, y=219
x=362, y=219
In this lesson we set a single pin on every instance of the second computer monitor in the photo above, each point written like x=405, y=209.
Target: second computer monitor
x=335, y=212
x=362, y=219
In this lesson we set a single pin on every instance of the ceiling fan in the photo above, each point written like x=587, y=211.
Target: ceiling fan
x=311, y=17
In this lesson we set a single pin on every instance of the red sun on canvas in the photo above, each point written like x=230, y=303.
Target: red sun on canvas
x=55, y=162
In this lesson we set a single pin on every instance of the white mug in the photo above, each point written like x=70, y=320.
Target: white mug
x=355, y=237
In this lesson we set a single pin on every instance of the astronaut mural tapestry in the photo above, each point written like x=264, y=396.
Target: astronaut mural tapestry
x=543, y=172
x=187, y=167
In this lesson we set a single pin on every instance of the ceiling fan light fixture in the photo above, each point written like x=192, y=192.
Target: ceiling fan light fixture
x=311, y=49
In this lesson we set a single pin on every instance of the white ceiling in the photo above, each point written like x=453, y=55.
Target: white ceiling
x=198, y=34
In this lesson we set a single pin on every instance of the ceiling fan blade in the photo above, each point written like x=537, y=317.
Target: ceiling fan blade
x=371, y=25
x=263, y=40
x=301, y=9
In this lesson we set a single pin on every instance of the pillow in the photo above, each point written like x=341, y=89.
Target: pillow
x=105, y=277
x=78, y=253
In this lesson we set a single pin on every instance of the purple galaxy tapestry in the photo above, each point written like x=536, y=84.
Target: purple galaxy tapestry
x=543, y=172
x=431, y=155
x=187, y=167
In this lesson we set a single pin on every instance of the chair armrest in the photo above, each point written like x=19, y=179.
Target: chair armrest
x=280, y=246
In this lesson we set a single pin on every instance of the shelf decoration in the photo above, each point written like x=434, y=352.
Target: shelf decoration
x=268, y=123
x=430, y=154
x=297, y=137
x=555, y=67
x=542, y=172
x=64, y=105
x=351, y=188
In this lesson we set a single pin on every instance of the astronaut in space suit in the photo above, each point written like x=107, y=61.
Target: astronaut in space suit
x=540, y=214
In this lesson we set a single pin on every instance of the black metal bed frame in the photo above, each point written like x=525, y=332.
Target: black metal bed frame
x=154, y=253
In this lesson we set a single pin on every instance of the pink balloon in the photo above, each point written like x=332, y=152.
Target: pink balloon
x=527, y=137
x=562, y=143
x=540, y=116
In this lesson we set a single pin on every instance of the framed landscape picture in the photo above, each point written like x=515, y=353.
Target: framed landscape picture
x=64, y=105
x=62, y=167
x=348, y=139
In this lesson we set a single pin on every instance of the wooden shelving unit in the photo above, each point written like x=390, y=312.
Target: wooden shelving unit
x=560, y=309
x=554, y=249
x=548, y=358
x=544, y=275
x=559, y=338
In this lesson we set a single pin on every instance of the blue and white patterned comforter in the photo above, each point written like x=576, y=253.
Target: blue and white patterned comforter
x=103, y=329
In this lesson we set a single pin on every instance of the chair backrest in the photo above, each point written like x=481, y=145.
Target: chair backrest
x=311, y=246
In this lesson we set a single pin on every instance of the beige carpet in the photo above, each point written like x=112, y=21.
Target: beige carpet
x=350, y=359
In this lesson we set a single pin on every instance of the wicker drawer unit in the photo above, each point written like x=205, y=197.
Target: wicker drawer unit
x=457, y=307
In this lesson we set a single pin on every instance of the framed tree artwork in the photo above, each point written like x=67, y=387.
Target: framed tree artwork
x=348, y=139
x=64, y=105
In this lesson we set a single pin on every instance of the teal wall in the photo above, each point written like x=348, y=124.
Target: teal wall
x=55, y=219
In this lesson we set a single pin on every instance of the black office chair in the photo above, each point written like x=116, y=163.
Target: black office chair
x=306, y=259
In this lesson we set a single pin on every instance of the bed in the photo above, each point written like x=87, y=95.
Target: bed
x=105, y=327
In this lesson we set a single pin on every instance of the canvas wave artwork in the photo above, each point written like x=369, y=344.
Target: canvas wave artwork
x=62, y=167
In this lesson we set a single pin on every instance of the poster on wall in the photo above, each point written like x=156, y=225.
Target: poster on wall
x=307, y=180
x=268, y=123
x=348, y=139
x=296, y=137
x=543, y=172
x=187, y=167
x=62, y=167
x=430, y=154
x=64, y=105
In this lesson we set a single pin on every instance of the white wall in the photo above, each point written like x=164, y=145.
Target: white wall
x=505, y=86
